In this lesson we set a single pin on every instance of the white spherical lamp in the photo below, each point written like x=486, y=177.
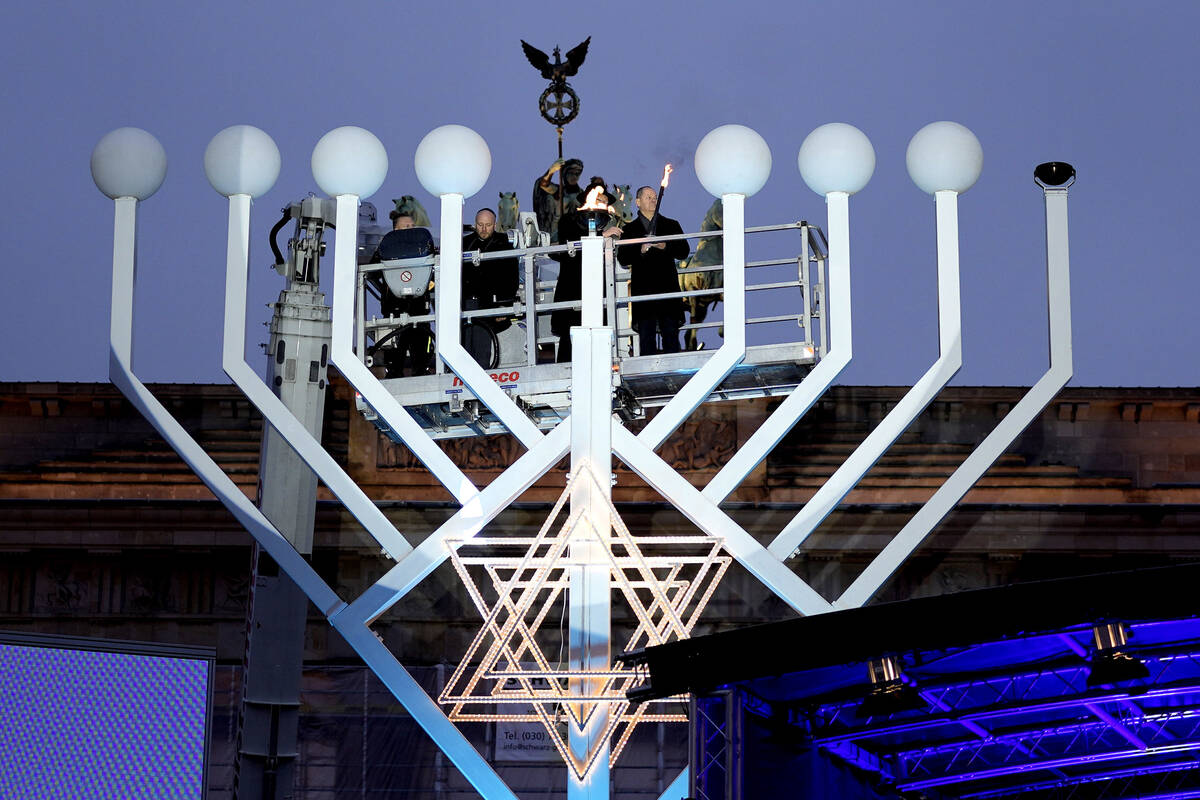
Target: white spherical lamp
x=944, y=156
x=453, y=159
x=733, y=159
x=242, y=159
x=349, y=160
x=836, y=158
x=129, y=162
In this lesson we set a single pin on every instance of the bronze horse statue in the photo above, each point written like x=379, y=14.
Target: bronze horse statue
x=407, y=204
x=709, y=253
x=508, y=212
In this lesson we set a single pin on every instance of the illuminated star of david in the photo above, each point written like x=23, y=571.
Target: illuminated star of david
x=666, y=582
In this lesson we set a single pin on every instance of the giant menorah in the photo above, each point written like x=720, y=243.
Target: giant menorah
x=592, y=557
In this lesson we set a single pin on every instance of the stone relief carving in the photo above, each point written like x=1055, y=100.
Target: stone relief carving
x=150, y=594
x=472, y=453
x=704, y=442
x=66, y=591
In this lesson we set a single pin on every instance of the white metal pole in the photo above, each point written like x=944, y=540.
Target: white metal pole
x=732, y=350
x=852, y=470
x=120, y=372
x=1018, y=418
x=448, y=316
x=590, y=594
x=272, y=408
x=120, y=331
x=373, y=392
x=776, y=426
x=591, y=276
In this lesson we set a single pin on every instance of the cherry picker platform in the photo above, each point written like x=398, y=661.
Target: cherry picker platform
x=520, y=357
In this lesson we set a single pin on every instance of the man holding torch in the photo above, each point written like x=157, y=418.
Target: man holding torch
x=652, y=271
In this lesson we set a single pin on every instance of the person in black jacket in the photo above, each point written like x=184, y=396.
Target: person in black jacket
x=652, y=271
x=488, y=284
x=571, y=228
x=491, y=283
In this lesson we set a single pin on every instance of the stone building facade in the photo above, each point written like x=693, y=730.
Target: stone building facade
x=105, y=532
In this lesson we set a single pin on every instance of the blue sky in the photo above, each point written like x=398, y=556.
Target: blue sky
x=1111, y=88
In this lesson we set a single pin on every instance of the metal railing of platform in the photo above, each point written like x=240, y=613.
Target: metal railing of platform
x=532, y=309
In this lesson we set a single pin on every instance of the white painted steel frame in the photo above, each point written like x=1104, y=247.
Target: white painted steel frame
x=504, y=489
x=271, y=407
x=1058, y=297
x=448, y=312
x=822, y=376
x=120, y=372
x=342, y=355
x=590, y=592
x=348, y=620
x=709, y=517
x=852, y=470
x=733, y=348
x=480, y=506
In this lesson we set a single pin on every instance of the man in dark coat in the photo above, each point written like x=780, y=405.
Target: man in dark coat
x=488, y=284
x=491, y=283
x=652, y=271
x=573, y=227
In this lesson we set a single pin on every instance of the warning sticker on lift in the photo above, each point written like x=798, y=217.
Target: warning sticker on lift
x=507, y=380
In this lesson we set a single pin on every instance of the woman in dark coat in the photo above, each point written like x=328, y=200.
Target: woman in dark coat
x=571, y=228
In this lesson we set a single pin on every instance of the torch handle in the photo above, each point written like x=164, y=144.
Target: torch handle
x=561, y=182
x=662, y=190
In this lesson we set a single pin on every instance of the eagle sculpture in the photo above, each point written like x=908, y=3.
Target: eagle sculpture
x=558, y=72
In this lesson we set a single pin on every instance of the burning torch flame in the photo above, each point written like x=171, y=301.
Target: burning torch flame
x=592, y=201
x=667, y=170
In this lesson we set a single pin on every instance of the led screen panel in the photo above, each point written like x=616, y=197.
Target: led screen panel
x=90, y=718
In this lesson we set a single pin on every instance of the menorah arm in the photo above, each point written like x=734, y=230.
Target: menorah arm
x=271, y=407
x=466, y=522
x=120, y=372
x=678, y=790
x=815, y=384
x=708, y=516
x=1018, y=418
x=448, y=291
x=732, y=350
x=376, y=396
x=852, y=470
x=424, y=710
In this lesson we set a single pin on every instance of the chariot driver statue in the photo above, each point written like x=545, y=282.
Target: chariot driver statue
x=558, y=105
x=546, y=194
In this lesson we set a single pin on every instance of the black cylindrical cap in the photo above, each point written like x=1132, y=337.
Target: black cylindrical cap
x=1054, y=173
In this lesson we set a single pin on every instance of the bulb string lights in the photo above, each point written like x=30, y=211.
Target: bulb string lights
x=665, y=581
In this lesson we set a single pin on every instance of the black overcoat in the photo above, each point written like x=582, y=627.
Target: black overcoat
x=654, y=272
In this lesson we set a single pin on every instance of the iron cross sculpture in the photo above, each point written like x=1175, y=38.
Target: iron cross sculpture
x=558, y=104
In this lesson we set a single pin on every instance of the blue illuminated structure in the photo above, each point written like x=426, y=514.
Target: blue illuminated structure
x=1002, y=678
x=96, y=718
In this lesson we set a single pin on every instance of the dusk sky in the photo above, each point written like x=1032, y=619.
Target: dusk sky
x=1109, y=87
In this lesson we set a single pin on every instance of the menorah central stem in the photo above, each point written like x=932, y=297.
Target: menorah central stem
x=589, y=595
